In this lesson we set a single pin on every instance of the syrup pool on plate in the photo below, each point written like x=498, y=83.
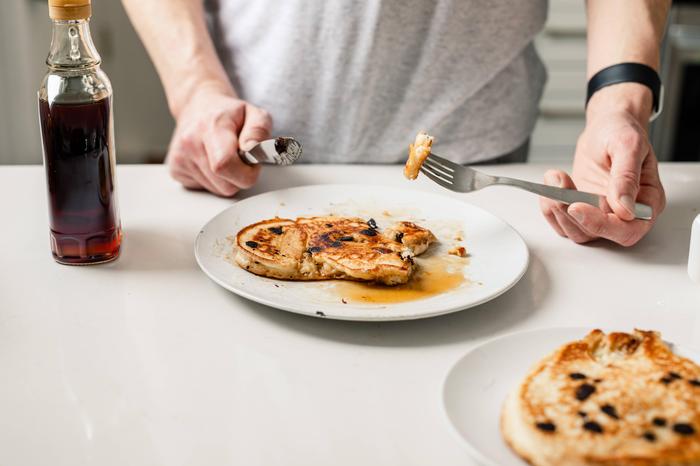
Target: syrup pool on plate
x=435, y=275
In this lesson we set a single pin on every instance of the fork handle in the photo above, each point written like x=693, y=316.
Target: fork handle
x=569, y=196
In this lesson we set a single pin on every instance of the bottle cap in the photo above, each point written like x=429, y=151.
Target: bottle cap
x=70, y=9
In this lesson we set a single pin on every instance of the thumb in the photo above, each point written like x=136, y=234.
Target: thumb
x=256, y=127
x=626, y=159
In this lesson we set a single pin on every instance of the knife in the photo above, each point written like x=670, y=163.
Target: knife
x=277, y=151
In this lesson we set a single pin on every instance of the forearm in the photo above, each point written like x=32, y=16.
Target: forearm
x=175, y=35
x=625, y=31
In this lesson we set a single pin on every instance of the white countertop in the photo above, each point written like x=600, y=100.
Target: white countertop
x=147, y=362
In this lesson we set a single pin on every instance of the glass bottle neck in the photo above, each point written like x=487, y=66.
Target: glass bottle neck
x=71, y=45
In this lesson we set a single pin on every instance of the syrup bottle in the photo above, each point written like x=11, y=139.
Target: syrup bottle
x=75, y=112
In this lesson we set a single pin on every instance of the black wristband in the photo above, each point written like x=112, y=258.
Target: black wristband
x=628, y=72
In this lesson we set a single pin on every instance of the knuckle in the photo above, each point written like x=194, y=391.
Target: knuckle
x=629, y=240
x=258, y=130
x=627, y=178
x=173, y=157
x=265, y=118
x=229, y=190
x=180, y=178
x=174, y=172
x=579, y=239
x=219, y=119
x=247, y=180
x=545, y=206
x=187, y=141
x=596, y=228
x=220, y=166
x=556, y=227
x=631, y=140
x=176, y=175
x=628, y=174
x=175, y=163
x=189, y=183
x=260, y=116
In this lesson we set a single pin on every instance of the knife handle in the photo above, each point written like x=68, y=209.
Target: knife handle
x=277, y=151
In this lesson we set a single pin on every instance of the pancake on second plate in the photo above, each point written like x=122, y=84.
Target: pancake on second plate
x=331, y=247
x=618, y=399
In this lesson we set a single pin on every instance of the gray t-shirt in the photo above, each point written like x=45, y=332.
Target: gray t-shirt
x=355, y=80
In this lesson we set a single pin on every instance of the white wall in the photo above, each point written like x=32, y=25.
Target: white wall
x=19, y=137
x=562, y=46
x=142, y=122
x=143, y=125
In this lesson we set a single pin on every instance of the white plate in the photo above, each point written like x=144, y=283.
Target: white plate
x=499, y=256
x=479, y=382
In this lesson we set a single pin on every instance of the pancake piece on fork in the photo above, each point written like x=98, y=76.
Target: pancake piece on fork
x=417, y=153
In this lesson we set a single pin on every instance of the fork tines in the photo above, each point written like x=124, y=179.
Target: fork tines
x=438, y=170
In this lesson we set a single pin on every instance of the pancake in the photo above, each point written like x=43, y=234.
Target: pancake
x=618, y=399
x=416, y=238
x=332, y=247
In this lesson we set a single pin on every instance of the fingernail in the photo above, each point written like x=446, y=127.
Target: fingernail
x=627, y=202
x=579, y=216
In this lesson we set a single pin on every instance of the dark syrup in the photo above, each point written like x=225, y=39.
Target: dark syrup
x=83, y=213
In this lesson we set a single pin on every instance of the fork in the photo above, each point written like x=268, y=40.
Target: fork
x=465, y=179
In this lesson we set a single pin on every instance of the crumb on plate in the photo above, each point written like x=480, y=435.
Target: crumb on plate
x=459, y=251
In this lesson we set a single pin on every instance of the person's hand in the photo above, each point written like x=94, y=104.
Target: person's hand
x=613, y=158
x=211, y=127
